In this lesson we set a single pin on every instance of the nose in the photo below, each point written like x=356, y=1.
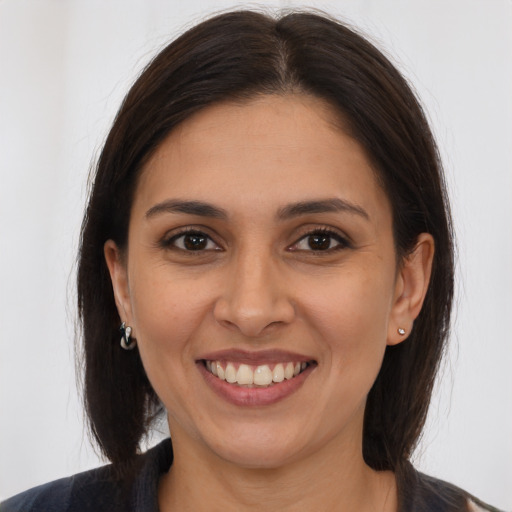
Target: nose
x=254, y=299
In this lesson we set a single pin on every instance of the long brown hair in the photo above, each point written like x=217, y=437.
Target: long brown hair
x=235, y=56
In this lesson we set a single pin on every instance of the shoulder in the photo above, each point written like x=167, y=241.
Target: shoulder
x=98, y=490
x=85, y=492
x=427, y=494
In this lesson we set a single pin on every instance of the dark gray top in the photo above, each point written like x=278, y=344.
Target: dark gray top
x=98, y=491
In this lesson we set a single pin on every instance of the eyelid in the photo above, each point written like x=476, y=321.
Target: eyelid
x=342, y=239
x=169, y=239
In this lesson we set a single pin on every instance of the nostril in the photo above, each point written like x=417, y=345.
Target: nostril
x=253, y=309
x=226, y=323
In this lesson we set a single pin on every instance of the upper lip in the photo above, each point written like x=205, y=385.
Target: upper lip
x=255, y=357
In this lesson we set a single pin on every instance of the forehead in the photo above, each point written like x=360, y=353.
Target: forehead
x=270, y=150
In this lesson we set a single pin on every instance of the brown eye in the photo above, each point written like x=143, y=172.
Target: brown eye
x=195, y=242
x=192, y=241
x=320, y=241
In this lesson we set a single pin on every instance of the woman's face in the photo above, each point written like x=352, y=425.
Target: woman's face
x=260, y=245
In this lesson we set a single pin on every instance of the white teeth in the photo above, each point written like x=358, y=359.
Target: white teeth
x=230, y=373
x=262, y=376
x=220, y=371
x=244, y=375
x=278, y=373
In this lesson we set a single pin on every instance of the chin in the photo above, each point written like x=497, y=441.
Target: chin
x=256, y=458
x=258, y=451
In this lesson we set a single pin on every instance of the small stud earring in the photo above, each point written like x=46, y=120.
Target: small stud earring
x=401, y=331
x=126, y=332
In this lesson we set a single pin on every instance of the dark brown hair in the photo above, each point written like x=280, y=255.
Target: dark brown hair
x=235, y=56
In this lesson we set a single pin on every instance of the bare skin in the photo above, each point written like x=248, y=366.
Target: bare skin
x=204, y=484
x=258, y=232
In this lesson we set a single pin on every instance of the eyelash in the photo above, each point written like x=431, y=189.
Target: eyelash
x=170, y=243
x=342, y=242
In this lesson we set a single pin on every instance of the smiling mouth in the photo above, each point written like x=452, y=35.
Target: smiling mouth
x=252, y=376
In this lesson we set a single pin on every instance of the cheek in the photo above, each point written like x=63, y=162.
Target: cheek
x=165, y=306
x=351, y=316
x=168, y=313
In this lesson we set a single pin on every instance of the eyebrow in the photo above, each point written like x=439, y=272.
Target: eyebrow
x=189, y=207
x=321, y=206
x=287, y=212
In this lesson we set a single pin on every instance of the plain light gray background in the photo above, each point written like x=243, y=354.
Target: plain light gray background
x=64, y=67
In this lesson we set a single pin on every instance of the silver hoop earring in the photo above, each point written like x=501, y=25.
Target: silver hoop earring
x=126, y=332
x=401, y=331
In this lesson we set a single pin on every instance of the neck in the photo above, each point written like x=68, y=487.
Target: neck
x=333, y=478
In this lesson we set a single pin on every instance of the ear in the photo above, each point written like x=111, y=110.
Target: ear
x=411, y=286
x=119, y=276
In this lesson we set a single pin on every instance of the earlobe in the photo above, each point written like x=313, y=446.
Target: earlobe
x=411, y=288
x=118, y=275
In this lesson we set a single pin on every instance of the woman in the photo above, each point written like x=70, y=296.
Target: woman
x=269, y=227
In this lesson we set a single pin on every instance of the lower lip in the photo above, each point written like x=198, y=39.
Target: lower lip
x=240, y=395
